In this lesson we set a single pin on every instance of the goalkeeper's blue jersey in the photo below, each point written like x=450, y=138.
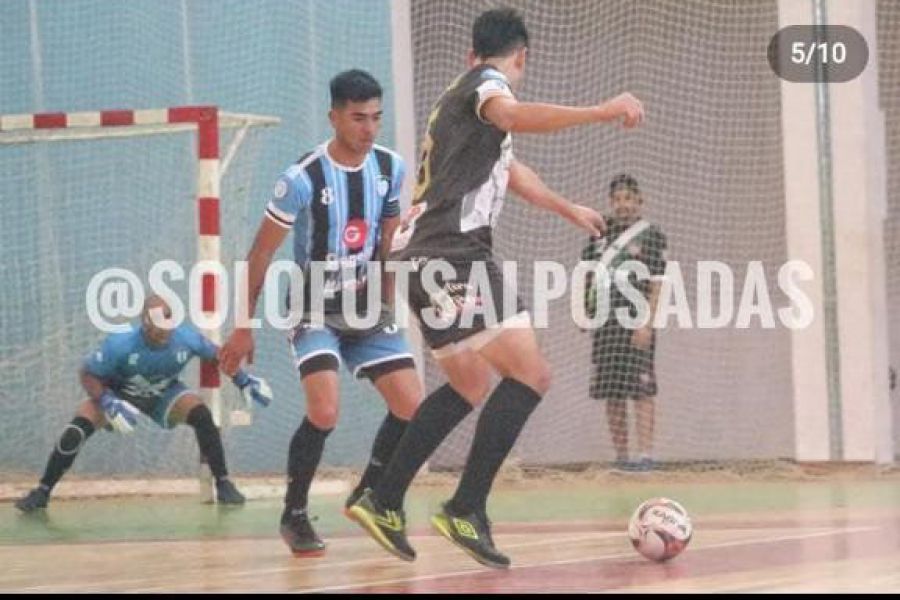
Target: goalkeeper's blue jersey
x=133, y=369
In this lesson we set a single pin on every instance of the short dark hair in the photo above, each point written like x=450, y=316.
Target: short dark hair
x=354, y=85
x=624, y=182
x=498, y=32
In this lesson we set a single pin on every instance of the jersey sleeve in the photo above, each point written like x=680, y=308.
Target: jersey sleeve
x=199, y=343
x=290, y=195
x=103, y=362
x=493, y=84
x=655, y=251
x=392, y=202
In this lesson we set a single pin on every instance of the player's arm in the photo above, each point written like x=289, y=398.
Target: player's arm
x=289, y=197
x=269, y=237
x=656, y=262
x=252, y=388
x=642, y=337
x=590, y=286
x=96, y=370
x=657, y=265
x=93, y=385
x=388, y=229
x=508, y=114
x=526, y=183
x=653, y=298
x=390, y=222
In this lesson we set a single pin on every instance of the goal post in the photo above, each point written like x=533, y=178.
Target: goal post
x=206, y=121
x=90, y=190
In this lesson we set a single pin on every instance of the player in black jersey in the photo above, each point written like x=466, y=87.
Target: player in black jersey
x=466, y=165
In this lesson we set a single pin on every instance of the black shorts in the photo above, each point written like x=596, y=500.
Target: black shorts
x=621, y=370
x=459, y=307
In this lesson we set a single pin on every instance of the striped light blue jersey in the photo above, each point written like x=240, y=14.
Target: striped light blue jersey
x=136, y=370
x=336, y=211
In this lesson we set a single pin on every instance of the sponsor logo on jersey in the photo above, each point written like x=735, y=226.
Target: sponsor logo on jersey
x=281, y=188
x=355, y=234
x=383, y=186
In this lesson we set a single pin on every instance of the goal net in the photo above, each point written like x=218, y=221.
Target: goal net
x=90, y=191
x=75, y=207
x=709, y=164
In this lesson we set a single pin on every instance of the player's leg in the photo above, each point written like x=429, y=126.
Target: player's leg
x=379, y=511
x=513, y=352
x=384, y=358
x=317, y=358
x=469, y=381
x=525, y=374
x=616, y=382
x=181, y=405
x=88, y=418
x=645, y=410
x=402, y=392
x=617, y=421
x=645, y=404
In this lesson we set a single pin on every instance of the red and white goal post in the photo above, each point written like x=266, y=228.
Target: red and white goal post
x=210, y=168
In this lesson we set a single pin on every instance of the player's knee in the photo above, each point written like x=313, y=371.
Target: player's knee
x=474, y=390
x=538, y=376
x=405, y=406
x=543, y=379
x=198, y=416
x=323, y=416
x=74, y=436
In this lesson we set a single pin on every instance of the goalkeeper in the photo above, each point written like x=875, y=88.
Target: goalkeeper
x=137, y=371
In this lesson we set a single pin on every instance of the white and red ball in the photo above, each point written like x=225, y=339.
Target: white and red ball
x=660, y=529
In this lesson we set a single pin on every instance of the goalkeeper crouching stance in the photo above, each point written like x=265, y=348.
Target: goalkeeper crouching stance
x=137, y=371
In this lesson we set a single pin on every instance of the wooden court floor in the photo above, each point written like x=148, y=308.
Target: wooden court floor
x=819, y=536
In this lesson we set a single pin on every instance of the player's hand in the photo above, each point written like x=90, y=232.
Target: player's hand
x=587, y=218
x=253, y=389
x=238, y=347
x=625, y=107
x=642, y=338
x=120, y=414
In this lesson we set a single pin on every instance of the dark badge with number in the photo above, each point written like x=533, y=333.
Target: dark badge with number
x=811, y=53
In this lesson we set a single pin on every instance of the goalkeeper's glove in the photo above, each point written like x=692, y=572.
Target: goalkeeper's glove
x=253, y=389
x=120, y=414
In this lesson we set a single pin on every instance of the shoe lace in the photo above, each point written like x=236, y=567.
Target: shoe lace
x=302, y=520
x=395, y=515
x=485, y=523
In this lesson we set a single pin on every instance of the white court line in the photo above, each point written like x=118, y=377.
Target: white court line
x=312, y=564
x=449, y=551
x=573, y=561
x=315, y=565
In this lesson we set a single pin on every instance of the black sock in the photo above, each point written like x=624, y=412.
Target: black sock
x=389, y=435
x=303, y=459
x=70, y=443
x=499, y=425
x=438, y=415
x=208, y=440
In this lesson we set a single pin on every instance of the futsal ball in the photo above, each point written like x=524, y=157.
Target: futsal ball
x=660, y=529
